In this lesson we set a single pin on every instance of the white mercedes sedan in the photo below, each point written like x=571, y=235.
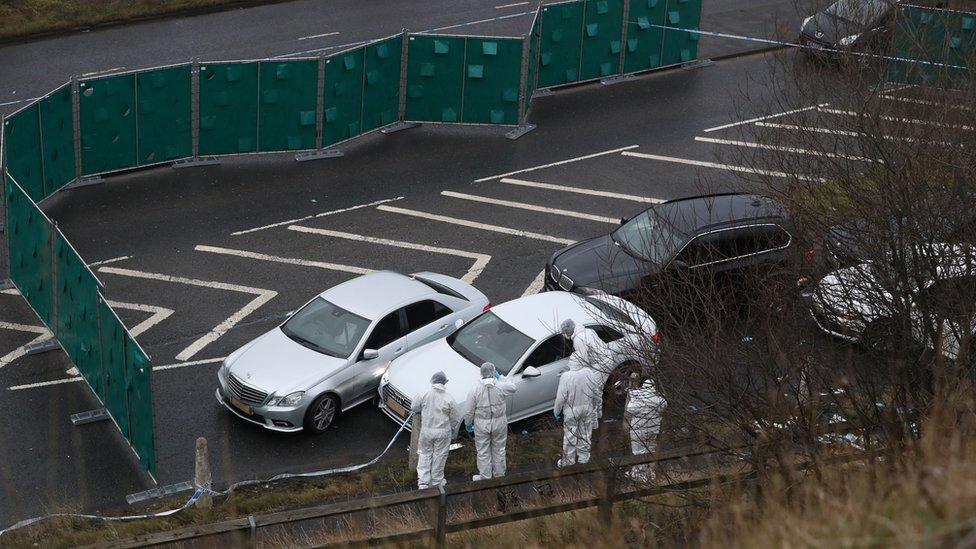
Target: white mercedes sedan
x=521, y=337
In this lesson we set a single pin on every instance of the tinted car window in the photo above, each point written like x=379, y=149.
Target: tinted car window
x=386, y=331
x=733, y=243
x=488, y=338
x=609, y=311
x=440, y=288
x=555, y=348
x=326, y=327
x=606, y=333
x=423, y=313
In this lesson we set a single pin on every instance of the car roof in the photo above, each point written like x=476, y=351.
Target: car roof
x=373, y=295
x=695, y=214
x=539, y=316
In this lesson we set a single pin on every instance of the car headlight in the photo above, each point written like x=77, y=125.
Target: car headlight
x=848, y=40
x=290, y=399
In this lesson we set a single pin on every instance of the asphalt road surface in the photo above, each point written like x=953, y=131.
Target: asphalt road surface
x=239, y=245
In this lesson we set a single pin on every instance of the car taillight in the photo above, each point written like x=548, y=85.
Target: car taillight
x=656, y=338
x=808, y=255
x=486, y=308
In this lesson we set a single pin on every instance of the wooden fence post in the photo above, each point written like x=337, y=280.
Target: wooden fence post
x=440, y=533
x=201, y=477
x=605, y=507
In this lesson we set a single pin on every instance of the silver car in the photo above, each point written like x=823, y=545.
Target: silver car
x=329, y=355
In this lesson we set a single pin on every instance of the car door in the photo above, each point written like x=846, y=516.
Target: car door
x=388, y=338
x=428, y=320
x=537, y=394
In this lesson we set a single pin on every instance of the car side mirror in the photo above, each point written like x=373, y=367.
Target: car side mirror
x=531, y=371
x=370, y=354
x=680, y=264
x=624, y=220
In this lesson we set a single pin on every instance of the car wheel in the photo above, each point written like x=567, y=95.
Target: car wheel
x=877, y=336
x=321, y=414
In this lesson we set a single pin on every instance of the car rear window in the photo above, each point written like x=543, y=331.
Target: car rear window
x=440, y=288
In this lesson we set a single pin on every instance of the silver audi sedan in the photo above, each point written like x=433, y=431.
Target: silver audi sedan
x=330, y=354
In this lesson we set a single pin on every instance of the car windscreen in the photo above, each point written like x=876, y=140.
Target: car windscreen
x=488, y=338
x=861, y=12
x=326, y=328
x=646, y=236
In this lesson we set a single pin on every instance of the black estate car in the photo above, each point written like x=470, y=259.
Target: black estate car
x=714, y=235
x=859, y=25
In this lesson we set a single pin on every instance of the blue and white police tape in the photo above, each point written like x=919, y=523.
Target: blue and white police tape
x=207, y=489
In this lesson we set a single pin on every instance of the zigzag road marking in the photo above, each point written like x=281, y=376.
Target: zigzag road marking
x=43, y=334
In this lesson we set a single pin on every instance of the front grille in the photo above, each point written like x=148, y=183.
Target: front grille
x=390, y=393
x=565, y=283
x=245, y=393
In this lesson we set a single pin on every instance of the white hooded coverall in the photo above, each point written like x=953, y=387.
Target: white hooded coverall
x=593, y=353
x=439, y=421
x=644, y=409
x=486, y=412
x=575, y=403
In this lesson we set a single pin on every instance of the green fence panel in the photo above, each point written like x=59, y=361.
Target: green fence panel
x=681, y=46
x=112, y=337
x=342, y=115
x=138, y=382
x=492, y=76
x=228, y=108
x=602, y=29
x=645, y=41
x=108, y=123
x=937, y=39
x=532, y=72
x=22, y=141
x=559, y=58
x=435, y=78
x=58, y=139
x=289, y=95
x=381, y=90
x=29, y=235
x=165, y=129
x=76, y=292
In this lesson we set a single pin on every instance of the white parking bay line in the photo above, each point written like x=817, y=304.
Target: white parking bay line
x=925, y=102
x=530, y=207
x=559, y=163
x=318, y=36
x=480, y=260
x=78, y=378
x=726, y=167
x=916, y=121
x=323, y=214
x=263, y=296
x=831, y=131
x=503, y=6
x=42, y=332
x=578, y=190
x=159, y=314
x=536, y=285
x=112, y=260
x=753, y=145
x=475, y=225
x=767, y=117
x=285, y=260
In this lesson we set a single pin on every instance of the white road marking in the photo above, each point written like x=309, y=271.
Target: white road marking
x=901, y=120
x=578, y=190
x=480, y=260
x=767, y=117
x=263, y=296
x=489, y=20
x=107, y=261
x=10, y=291
x=795, y=150
x=536, y=285
x=510, y=5
x=43, y=334
x=106, y=71
x=286, y=260
x=831, y=131
x=318, y=35
x=159, y=314
x=560, y=163
x=323, y=214
x=19, y=101
x=74, y=379
x=726, y=167
x=530, y=207
x=476, y=225
x=924, y=102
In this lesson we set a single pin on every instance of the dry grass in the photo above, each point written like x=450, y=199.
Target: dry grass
x=20, y=18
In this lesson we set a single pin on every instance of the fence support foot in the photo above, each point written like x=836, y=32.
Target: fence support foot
x=194, y=162
x=699, y=64
x=320, y=154
x=91, y=416
x=160, y=492
x=42, y=347
x=541, y=92
x=521, y=130
x=399, y=127
x=617, y=79
x=84, y=182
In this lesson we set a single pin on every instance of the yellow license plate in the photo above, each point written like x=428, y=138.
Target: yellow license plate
x=240, y=405
x=396, y=407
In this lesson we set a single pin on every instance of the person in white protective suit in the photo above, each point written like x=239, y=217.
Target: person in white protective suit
x=643, y=412
x=439, y=422
x=485, y=415
x=592, y=353
x=575, y=405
